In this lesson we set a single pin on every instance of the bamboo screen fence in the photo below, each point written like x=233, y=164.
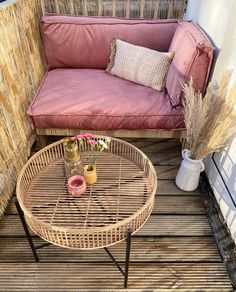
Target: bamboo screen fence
x=118, y=8
x=21, y=71
x=22, y=66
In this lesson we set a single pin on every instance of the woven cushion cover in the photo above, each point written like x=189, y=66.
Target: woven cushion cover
x=138, y=64
x=95, y=100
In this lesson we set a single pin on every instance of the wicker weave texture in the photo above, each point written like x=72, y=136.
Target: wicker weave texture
x=116, y=133
x=150, y=9
x=122, y=198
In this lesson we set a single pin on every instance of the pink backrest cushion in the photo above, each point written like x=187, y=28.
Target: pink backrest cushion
x=193, y=58
x=84, y=42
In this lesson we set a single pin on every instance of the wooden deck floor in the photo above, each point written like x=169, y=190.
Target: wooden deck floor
x=174, y=250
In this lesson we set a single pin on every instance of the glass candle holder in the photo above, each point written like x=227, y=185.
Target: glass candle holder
x=73, y=168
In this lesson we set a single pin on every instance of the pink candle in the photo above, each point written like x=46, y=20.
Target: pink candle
x=76, y=185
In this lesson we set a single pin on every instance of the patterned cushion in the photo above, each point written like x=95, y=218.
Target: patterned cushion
x=138, y=64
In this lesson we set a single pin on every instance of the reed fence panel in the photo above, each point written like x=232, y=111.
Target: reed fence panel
x=21, y=71
x=150, y=9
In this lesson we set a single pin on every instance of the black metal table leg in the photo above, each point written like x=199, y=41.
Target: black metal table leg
x=114, y=261
x=127, y=257
x=34, y=248
x=22, y=218
x=125, y=272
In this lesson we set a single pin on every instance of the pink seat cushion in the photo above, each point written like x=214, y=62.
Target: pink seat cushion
x=92, y=99
x=193, y=58
x=85, y=42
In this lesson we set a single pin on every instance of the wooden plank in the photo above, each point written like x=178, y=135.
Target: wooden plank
x=74, y=277
x=175, y=204
x=156, y=145
x=143, y=250
x=176, y=225
x=11, y=208
x=157, y=225
x=165, y=158
x=168, y=187
x=166, y=171
x=178, y=205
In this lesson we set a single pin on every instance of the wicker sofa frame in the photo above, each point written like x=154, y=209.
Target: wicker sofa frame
x=43, y=134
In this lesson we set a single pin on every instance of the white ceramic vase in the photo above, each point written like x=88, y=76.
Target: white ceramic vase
x=188, y=175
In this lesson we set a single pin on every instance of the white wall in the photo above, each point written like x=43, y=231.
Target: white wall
x=218, y=19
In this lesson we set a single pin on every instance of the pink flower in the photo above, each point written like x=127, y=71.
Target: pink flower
x=79, y=137
x=88, y=136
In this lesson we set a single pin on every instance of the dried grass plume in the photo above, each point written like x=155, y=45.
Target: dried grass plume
x=210, y=121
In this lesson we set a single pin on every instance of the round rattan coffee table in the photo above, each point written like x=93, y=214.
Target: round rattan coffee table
x=120, y=201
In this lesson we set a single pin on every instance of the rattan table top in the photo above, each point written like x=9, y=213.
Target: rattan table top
x=122, y=197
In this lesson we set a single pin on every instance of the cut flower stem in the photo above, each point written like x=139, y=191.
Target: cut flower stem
x=96, y=146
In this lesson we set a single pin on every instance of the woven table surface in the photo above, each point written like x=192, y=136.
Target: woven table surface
x=122, y=197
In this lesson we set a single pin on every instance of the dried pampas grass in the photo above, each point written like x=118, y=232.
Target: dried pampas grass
x=210, y=121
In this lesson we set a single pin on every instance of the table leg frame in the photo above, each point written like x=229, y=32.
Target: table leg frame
x=34, y=248
x=125, y=272
x=127, y=257
x=26, y=229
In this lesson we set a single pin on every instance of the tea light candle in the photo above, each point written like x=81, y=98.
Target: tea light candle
x=76, y=185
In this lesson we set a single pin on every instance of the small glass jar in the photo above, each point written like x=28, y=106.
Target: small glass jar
x=73, y=163
x=73, y=168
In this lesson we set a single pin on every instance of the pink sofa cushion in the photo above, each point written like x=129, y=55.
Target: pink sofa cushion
x=193, y=58
x=84, y=42
x=92, y=99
